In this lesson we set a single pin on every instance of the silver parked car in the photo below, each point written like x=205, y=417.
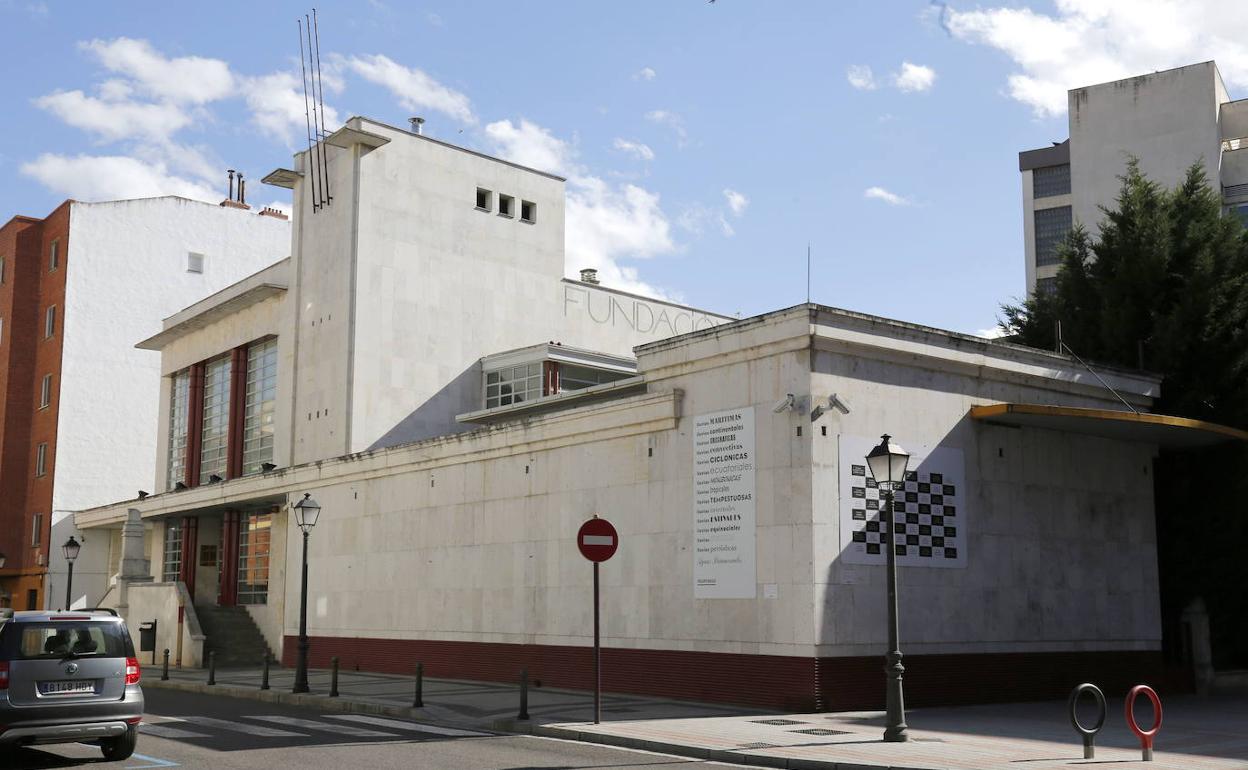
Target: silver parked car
x=68, y=677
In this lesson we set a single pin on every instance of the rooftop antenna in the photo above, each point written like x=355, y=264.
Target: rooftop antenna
x=808, y=272
x=1062, y=347
x=307, y=121
x=321, y=88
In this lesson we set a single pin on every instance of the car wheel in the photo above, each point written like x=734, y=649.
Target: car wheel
x=122, y=746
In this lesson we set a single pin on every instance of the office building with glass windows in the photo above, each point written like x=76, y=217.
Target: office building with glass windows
x=1167, y=120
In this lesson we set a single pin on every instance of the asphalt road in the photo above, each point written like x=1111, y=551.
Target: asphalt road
x=189, y=730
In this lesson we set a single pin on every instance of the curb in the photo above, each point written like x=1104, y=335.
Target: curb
x=311, y=700
x=712, y=755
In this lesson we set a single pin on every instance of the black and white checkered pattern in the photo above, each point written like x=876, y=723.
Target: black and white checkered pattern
x=925, y=515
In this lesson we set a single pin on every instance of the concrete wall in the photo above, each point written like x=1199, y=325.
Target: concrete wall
x=1169, y=120
x=160, y=602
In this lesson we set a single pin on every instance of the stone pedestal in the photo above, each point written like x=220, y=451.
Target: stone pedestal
x=134, y=567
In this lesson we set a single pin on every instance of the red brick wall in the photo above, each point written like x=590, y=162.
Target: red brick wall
x=767, y=681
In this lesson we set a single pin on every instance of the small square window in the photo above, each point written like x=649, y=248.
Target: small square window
x=506, y=205
x=528, y=211
x=485, y=199
x=54, y=256
x=49, y=322
x=194, y=262
x=45, y=392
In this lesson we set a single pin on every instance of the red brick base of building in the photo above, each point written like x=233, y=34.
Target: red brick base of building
x=767, y=681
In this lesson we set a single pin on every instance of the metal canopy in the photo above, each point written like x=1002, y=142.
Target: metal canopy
x=1162, y=430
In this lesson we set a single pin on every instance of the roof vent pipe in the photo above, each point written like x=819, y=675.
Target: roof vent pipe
x=417, y=124
x=589, y=275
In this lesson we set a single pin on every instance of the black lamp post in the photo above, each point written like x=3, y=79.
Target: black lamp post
x=306, y=512
x=71, y=549
x=888, y=466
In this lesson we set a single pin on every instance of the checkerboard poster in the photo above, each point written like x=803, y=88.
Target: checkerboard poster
x=929, y=507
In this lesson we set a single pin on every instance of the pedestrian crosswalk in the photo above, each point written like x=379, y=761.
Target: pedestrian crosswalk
x=282, y=726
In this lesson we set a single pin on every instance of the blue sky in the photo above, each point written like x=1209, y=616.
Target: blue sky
x=705, y=143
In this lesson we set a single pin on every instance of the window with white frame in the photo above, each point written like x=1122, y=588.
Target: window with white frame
x=36, y=530
x=528, y=211
x=49, y=321
x=254, y=540
x=485, y=199
x=506, y=205
x=45, y=392
x=171, y=565
x=179, y=403
x=573, y=377
x=54, y=256
x=41, y=459
x=260, y=404
x=214, y=440
x=194, y=262
x=513, y=385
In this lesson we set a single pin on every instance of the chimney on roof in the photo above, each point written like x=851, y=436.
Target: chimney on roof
x=230, y=202
x=417, y=124
x=269, y=211
x=589, y=275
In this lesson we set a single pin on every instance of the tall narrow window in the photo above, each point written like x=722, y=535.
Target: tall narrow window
x=41, y=459
x=54, y=256
x=260, y=405
x=49, y=321
x=216, y=419
x=506, y=205
x=179, y=402
x=254, y=538
x=45, y=392
x=171, y=568
x=36, y=529
x=1, y=269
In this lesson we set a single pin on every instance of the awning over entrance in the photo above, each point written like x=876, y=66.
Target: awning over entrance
x=1162, y=430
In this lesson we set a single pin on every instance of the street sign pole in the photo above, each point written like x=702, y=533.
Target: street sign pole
x=597, y=541
x=597, y=655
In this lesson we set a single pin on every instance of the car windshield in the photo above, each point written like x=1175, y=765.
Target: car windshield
x=51, y=640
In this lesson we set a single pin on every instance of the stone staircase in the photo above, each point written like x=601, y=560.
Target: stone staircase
x=233, y=635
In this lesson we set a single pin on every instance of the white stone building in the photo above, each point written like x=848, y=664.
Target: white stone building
x=1168, y=120
x=421, y=367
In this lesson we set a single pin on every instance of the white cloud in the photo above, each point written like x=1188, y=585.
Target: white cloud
x=645, y=73
x=991, y=333
x=880, y=194
x=605, y=223
x=434, y=20
x=636, y=149
x=861, y=77
x=736, y=201
x=1084, y=42
x=115, y=120
x=414, y=89
x=188, y=79
x=696, y=218
x=278, y=107
x=914, y=77
x=94, y=177
x=672, y=120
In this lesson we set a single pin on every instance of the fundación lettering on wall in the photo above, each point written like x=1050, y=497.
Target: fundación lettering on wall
x=723, y=505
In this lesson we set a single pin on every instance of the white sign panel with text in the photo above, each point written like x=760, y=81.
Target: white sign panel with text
x=724, y=533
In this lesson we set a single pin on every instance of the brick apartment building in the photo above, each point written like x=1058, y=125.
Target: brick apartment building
x=77, y=288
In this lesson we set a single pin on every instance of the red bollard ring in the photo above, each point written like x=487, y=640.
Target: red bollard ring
x=1145, y=736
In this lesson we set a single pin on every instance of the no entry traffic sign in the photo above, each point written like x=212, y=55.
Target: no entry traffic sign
x=597, y=540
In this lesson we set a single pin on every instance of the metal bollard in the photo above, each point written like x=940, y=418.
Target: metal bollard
x=419, y=700
x=264, y=679
x=212, y=667
x=164, y=669
x=524, y=694
x=1087, y=733
x=333, y=677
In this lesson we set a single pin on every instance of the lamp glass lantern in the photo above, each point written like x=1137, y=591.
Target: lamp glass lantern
x=888, y=461
x=71, y=549
x=306, y=512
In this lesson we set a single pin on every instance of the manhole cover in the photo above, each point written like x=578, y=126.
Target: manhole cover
x=777, y=722
x=758, y=746
x=820, y=731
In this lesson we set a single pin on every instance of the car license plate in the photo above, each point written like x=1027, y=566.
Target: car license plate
x=70, y=687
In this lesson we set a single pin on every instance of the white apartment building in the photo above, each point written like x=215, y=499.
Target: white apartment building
x=1168, y=120
x=422, y=369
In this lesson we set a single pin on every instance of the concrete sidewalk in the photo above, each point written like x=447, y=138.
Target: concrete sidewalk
x=1199, y=733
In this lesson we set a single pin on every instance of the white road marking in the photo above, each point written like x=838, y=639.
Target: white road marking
x=161, y=731
x=309, y=724
x=152, y=762
x=238, y=727
x=413, y=726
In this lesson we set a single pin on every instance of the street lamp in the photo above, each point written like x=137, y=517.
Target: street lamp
x=306, y=512
x=71, y=549
x=888, y=466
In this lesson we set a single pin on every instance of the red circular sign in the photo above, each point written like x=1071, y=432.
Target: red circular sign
x=597, y=539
